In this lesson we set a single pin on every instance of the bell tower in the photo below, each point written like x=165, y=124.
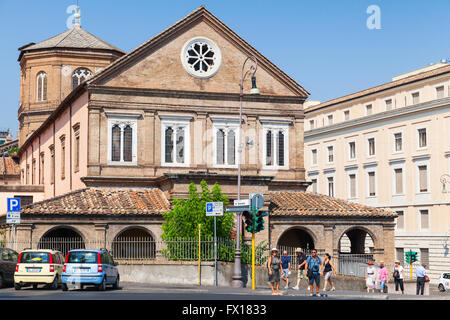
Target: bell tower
x=51, y=69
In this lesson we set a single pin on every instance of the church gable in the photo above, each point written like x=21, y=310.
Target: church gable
x=199, y=55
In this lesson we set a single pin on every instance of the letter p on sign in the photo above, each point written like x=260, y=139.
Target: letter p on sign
x=13, y=204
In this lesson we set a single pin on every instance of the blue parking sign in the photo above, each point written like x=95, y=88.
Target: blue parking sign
x=209, y=207
x=13, y=204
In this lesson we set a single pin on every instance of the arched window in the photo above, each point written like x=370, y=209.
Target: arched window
x=169, y=145
x=41, y=86
x=79, y=76
x=280, y=142
x=115, y=145
x=220, y=146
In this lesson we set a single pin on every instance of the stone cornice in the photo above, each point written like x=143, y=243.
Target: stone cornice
x=194, y=95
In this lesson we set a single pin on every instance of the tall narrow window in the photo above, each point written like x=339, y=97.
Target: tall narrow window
x=400, y=219
x=269, y=149
x=398, y=142
x=346, y=115
x=330, y=186
x=41, y=169
x=415, y=98
x=180, y=145
x=311, y=124
x=220, y=146
x=41, y=86
x=422, y=138
x=115, y=143
x=76, y=148
x=79, y=76
x=424, y=219
x=276, y=145
x=388, y=103
x=425, y=257
x=280, y=141
x=368, y=110
x=372, y=191
x=352, y=178
x=352, y=150
x=423, y=179
x=52, y=164
x=128, y=144
x=330, y=119
x=314, y=156
x=169, y=145
x=330, y=154
x=231, y=147
x=33, y=171
x=440, y=92
x=63, y=157
x=398, y=180
x=371, y=142
x=314, y=185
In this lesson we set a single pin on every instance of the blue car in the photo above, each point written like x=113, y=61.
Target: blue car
x=90, y=267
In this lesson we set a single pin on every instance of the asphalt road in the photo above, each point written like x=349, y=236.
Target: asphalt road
x=134, y=291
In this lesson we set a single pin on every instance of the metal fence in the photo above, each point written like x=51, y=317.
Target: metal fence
x=352, y=264
x=146, y=249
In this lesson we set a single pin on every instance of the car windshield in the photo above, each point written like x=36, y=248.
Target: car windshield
x=35, y=257
x=82, y=257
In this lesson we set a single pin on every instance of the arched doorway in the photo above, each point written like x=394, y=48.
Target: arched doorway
x=62, y=239
x=134, y=244
x=296, y=238
x=356, y=247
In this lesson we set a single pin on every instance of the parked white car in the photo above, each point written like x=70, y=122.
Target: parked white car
x=444, y=282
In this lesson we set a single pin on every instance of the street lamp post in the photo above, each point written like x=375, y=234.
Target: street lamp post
x=237, y=274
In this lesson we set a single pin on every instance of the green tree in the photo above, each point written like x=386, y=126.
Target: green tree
x=183, y=220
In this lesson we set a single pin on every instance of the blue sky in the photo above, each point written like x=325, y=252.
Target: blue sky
x=324, y=45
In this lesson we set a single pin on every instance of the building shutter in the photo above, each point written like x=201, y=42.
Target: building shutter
x=371, y=183
x=220, y=146
x=423, y=183
x=398, y=181
x=400, y=220
x=231, y=145
x=352, y=186
x=424, y=219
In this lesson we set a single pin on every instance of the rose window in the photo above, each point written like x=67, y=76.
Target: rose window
x=201, y=58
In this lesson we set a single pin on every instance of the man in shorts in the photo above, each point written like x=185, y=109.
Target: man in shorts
x=301, y=261
x=286, y=263
x=313, y=268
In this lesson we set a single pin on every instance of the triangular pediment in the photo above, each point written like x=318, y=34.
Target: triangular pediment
x=158, y=63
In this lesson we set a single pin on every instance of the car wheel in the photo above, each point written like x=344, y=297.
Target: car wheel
x=54, y=284
x=35, y=286
x=102, y=286
x=441, y=288
x=116, y=284
x=17, y=286
x=64, y=287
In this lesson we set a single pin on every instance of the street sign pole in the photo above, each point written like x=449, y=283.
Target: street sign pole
x=12, y=236
x=215, y=251
x=253, y=249
x=410, y=264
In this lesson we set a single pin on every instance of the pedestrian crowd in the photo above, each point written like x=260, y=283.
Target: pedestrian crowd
x=312, y=267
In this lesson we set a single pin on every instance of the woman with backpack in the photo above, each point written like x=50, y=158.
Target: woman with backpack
x=274, y=266
x=399, y=275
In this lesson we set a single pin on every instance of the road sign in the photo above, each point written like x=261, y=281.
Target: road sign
x=257, y=200
x=237, y=209
x=242, y=202
x=13, y=204
x=214, y=209
x=13, y=218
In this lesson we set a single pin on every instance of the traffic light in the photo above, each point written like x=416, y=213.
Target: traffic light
x=248, y=221
x=408, y=257
x=260, y=220
x=413, y=257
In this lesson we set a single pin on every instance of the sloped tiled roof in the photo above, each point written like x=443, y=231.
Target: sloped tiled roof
x=313, y=204
x=104, y=201
x=76, y=38
x=12, y=168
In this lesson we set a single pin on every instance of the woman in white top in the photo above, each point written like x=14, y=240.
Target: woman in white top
x=370, y=277
x=399, y=275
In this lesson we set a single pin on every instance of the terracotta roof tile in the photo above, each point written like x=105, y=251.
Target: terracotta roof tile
x=10, y=165
x=313, y=204
x=106, y=201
